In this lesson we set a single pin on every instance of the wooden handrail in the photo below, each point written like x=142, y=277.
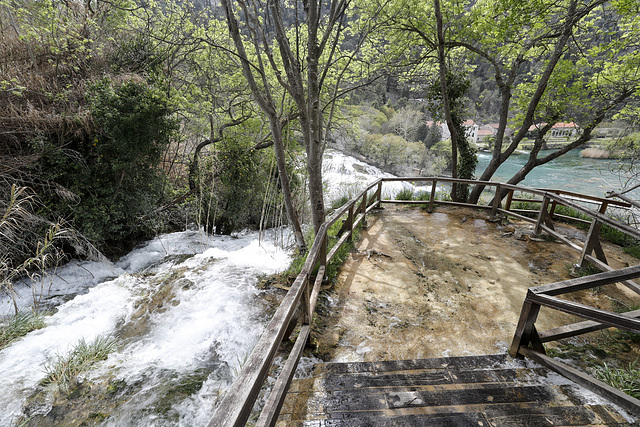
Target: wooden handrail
x=235, y=407
x=527, y=341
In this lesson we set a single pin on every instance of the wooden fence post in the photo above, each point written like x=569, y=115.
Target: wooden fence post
x=378, y=195
x=543, y=216
x=363, y=208
x=507, y=205
x=525, y=331
x=305, y=302
x=350, y=222
x=592, y=243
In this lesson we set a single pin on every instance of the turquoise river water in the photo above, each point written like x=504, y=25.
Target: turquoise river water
x=570, y=172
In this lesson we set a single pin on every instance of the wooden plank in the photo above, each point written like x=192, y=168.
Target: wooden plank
x=580, y=283
x=359, y=218
x=534, y=415
x=514, y=213
x=605, y=267
x=235, y=407
x=613, y=395
x=337, y=246
x=383, y=419
x=317, y=283
x=586, y=312
x=559, y=236
x=579, y=328
x=269, y=414
x=469, y=396
x=455, y=362
x=516, y=415
x=404, y=379
x=586, y=197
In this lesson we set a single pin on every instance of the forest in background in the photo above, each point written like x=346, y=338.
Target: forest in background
x=122, y=119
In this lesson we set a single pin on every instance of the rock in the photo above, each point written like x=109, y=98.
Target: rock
x=595, y=153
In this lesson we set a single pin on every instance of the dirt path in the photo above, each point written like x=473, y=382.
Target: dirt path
x=444, y=284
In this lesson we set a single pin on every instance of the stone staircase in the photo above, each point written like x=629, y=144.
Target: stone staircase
x=453, y=391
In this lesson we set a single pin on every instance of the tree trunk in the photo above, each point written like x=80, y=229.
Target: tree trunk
x=500, y=157
x=266, y=103
x=445, y=100
x=292, y=215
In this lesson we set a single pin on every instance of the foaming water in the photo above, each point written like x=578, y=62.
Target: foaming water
x=185, y=311
x=346, y=175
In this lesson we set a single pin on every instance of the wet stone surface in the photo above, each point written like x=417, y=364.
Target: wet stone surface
x=449, y=283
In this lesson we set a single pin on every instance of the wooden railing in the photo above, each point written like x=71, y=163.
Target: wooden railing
x=235, y=407
x=529, y=342
x=237, y=404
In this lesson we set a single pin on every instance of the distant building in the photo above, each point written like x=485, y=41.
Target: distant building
x=559, y=130
x=471, y=130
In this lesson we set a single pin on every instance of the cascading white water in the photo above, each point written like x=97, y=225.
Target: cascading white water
x=345, y=175
x=185, y=311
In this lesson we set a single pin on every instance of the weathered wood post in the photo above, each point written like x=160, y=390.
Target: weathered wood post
x=349, y=223
x=305, y=306
x=525, y=331
x=507, y=205
x=432, y=196
x=378, y=196
x=363, y=208
x=543, y=216
x=592, y=243
x=552, y=211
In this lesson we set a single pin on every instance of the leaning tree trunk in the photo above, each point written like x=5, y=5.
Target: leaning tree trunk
x=445, y=100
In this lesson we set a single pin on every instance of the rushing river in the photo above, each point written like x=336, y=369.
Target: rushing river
x=184, y=310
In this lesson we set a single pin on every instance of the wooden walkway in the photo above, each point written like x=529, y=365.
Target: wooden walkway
x=454, y=391
x=436, y=392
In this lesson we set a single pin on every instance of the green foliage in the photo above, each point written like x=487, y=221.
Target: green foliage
x=240, y=185
x=115, y=173
x=12, y=328
x=404, y=194
x=457, y=86
x=337, y=203
x=433, y=135
x=238, y=188
x=64, y=369
x=624, y=379
x=333, y=269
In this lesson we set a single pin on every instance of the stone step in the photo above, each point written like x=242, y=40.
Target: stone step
x=456, y=391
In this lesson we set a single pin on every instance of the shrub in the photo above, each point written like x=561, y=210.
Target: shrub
x=64, y=369
x=240, y=188
x=115, y=172
x=404, y=194
x=15, y=327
